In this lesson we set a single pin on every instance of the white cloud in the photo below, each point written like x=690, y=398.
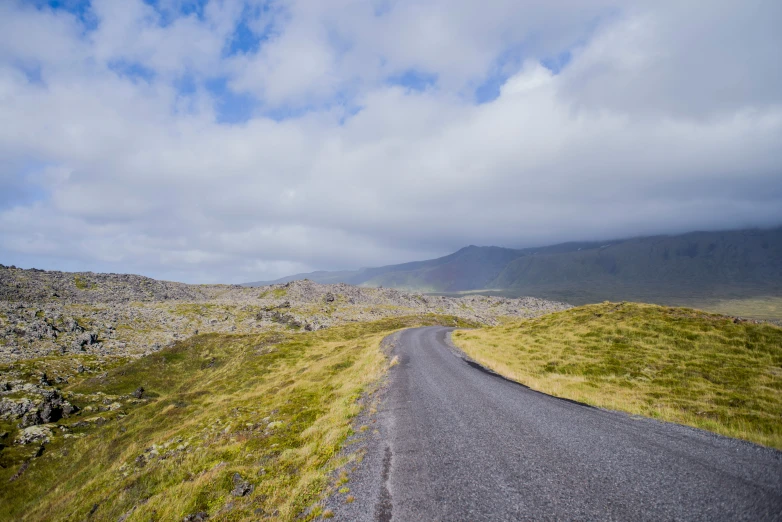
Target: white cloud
x=659, y=123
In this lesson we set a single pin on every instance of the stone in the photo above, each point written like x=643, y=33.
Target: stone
x=241, y=486
x=14, y=409
x=196, y=517
x=139, y=393
x=85, y=339
x=34, y=434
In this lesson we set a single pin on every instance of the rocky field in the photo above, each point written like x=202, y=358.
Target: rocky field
x=57, y=313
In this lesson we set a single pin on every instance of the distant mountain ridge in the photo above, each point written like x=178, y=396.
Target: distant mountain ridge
x=703, y=263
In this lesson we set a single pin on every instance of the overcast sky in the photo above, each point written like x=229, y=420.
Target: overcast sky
x=231, y=141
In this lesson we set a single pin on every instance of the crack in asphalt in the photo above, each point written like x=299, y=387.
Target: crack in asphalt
x=384, y=507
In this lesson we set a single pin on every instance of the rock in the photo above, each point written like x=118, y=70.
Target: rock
x=14, y=409
x=139, y=393
x=34, y=434
x=241, y=486
x=71, y=325
x=196, y=517
x=52, y=409
x=120, y=307
x=44, y=380
x=85, y=339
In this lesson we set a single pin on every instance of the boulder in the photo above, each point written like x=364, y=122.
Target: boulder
x=13, y=409
x=241, y=486
x=85, y=339
x=40, y=434
x=52, y=409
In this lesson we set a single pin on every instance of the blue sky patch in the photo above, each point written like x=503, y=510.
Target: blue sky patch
x=231, y=107
x=556, y=63
x=132, y=70
x=81, y=9
x=414, y=80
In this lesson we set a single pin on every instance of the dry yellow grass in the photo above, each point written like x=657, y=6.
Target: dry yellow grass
x=673, y=364
x=274, y=408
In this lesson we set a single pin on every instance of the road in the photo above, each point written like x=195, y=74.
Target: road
x=461, y=443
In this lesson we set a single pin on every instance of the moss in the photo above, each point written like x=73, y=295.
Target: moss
x=276, y=293
x=83, y=284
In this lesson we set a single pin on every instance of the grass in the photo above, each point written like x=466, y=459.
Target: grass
x=275, y=293
x=674, y=364
x=274, y=408
x=760, y=307
x=743, y=300
x=83, y=284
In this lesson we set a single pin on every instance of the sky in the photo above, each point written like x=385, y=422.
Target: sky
x=232, y=141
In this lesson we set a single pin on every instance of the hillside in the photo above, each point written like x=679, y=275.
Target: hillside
x=704, y=262
x=674, y=364
x=733, y=271
x=219, y=426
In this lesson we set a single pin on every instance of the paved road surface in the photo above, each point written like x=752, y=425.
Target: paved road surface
x=461, y=443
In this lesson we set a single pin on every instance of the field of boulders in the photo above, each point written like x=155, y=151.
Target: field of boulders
x=44, y=313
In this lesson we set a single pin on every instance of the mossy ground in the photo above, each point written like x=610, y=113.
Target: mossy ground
x=273, y=407
x=675, y=364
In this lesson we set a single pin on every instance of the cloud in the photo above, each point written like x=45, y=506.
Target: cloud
x=116, y=153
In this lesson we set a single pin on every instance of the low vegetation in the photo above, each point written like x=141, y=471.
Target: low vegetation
x=236, y=427
x=674, y=364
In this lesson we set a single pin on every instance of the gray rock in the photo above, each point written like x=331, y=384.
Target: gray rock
x=14, y=409
x=34, y=434
x=241, y=486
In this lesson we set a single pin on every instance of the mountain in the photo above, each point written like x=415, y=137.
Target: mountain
x=667, y=269
x=471, y=268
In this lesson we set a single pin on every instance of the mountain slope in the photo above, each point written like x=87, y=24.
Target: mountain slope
x=667, y=269
x=470, y=268
x=698, y=258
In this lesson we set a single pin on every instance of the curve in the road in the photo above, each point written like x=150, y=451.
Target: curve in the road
x=460, y=443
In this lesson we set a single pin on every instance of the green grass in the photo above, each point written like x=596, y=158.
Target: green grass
x=83, y=284
x=743, y=300
x=277, y=293
x=760, y=307
x=675, y=364
x=274, y=408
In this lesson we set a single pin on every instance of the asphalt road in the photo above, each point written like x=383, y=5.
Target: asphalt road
x=460, y=443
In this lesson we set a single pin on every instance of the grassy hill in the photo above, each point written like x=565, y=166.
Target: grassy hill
x=737, y=272
x=236, y=427
x=675, y=364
